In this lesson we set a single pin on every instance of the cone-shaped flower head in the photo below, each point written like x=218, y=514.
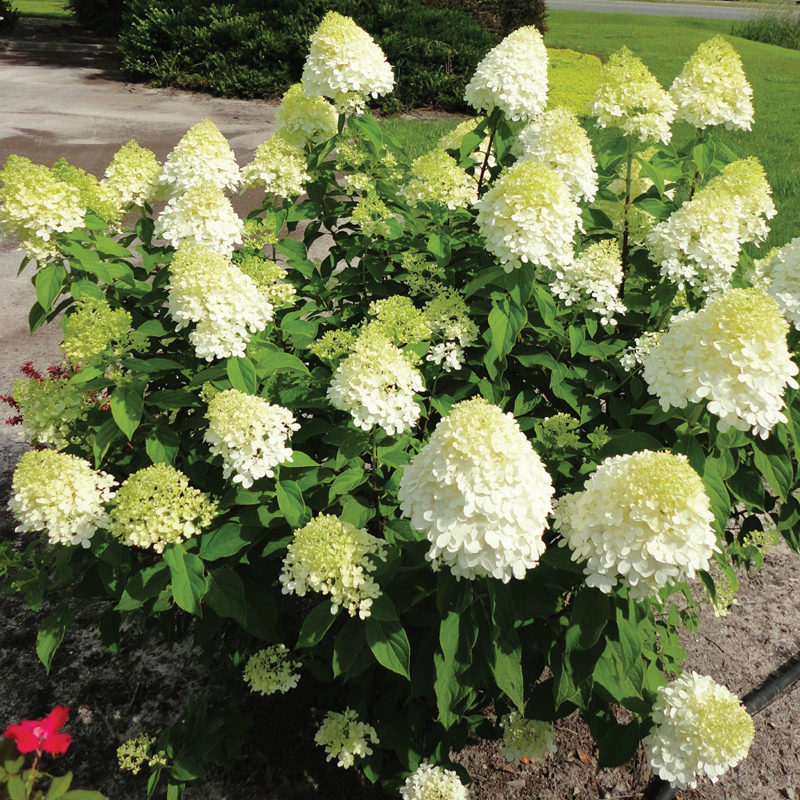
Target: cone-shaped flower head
x=526, y=738
x=335, y=558
x=226, y=304
x=377, y=383
x=557, y=140
x=61, y=494
x=99, y=196
x=595, y=276
x=733, y=354
x=133, y=174
x=480, y=493
x=434, y=783
x=629, y=97
x=250, y=434
x=345, y=738
x=780, y=276
x=345, y=64
x=712, y=89
x=643, y=518
x=156, y=506
x=202, y=215
x=269, y=279
x=303, y=120
x=92, y=329
x=271, y=670
x=512, y=77
x=35, y=204
x=701, y=729
x=529, y=215
x=278, y=165
x=700, y=243
x=436, y=178
x=203, y=155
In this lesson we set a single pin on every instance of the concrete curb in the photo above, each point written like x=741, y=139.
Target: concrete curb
x=23, y=46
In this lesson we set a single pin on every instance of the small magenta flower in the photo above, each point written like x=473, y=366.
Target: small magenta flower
x=41, y=735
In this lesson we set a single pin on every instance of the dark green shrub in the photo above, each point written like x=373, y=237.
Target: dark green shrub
x=9, y=15
x=500, y=17
x=781, y=28
x=103, y=16
x=250, y=48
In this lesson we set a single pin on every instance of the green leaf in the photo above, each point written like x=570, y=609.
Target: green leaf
x=647, y=170
x=389, y=645
x=162, y=445
x=658, y=208
x=127, y=404
x=773, y=462
x=439, y=248
x=507, y=650
x=143, y=586
x=703, y=155
x=590, y=613
x=242, y=375
x=108, y=247
x=720, y=500
x=346, y=481
x=16, y=788
x=577, y=337
x=59, y=785
x=623, y=442
x=224, y=541
x=188, y=578
x=49, y=281
x=225, y=595
x=618, y=746
x=291, y=503
x=186, y=769
x=106, y=435
x=350, y=644
x=367, y=125
x=316, y=625
x=51, y=633
x=505, y=323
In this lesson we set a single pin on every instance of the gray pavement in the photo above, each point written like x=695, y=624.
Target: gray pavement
x=654, y=9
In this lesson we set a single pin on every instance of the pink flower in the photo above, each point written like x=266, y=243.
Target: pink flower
x=41, y=735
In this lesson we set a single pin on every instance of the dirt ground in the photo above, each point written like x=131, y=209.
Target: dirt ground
x=113, y=698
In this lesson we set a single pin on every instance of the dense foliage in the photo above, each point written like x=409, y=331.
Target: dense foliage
x=252, y=49
x=438, y=436
x=781, y=28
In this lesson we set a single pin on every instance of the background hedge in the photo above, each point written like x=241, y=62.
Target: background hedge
x=253, y=48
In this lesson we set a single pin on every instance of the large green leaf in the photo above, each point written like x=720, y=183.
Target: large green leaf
x=143, y=586
x=291, y=503
x=49, y=281
x=188, y=578
x=127, y=405
x=774, y=463
x=51, y=633
x=316, y=625
x=242, y=375
x=590, y=613
x=225, y=595
x=389, y=644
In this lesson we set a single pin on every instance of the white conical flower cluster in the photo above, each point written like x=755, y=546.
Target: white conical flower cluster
x=436, y=178
x=202, y=215
x=629, y=97
x=643, y=519
x=733, y=354
x=529, y=216
x=345, y=738
x=480, y=493
x=61, y=494
x=303, y=120
x=334, y=558
x=202, y=156
x=700, y=243
x=377, y=384
x=278, y=165
x=712, y=88
x=701, y=729
x=526, y=738
x=595, y=276
x=557, y=140
x=250, y=434
x=433, y=783
x=780, y=276
x=271, y=670
x=133, y=174
x=227, y=306
x=345, y=64
x=512, y=77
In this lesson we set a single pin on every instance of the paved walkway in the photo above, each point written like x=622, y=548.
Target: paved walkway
x=653, y=9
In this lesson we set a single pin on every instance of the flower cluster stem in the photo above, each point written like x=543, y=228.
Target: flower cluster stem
x=626, y=210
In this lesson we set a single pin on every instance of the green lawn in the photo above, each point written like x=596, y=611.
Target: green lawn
x=42, y=8
x=664, y=44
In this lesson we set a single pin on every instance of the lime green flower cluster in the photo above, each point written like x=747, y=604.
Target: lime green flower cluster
x=437, y=178
x=419, y=278
x=269, y=279
x=99, y=196
x=133, y=174
x=95, y=328
x=50, y=408
x=156, y=506
x=271, y=670
x=399, y=320
x=278, y=165
x=526, y=738
x=370, y=215
x=35, y=204
x=305, y=120
x=333, y=344
x=258, y=234
x=344, y=737
x=558, y=431
x=133, y=753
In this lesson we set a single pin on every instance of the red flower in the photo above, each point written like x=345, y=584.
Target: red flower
x=41, y=734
